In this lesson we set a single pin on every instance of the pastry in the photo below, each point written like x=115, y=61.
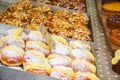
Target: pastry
x=85, y=76
x=15, y=32
x=12, y=55
x=62, y=72
x=114, y=36
x=39, y=46
x=59, y=40
x=12, y=40
x=113, y=21
x=35, y=62
x=80, y=45
x=35, y=36
x=116, y=61
x=61, y=50
x=59, y=60
x=81, y=65
x=82, y=54
x=112, y=6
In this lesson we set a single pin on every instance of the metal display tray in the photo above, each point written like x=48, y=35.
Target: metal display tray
x=16, y=73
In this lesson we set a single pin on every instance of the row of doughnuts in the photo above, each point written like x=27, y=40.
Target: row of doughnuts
x=67, y=60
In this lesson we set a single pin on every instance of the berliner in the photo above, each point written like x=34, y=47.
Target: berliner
x=35, y=62
x=80, y=45
x=59, y=40
x=85, y=76
x=59, y=60
x=81, y=65
x=15, y=32
x=35, y=36
x=82, y=54
x=12, y=40
x=39, y=46
x=12, y=55
x=61, y=50
x=62, y=72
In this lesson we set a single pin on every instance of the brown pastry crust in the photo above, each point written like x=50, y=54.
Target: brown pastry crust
x=113, y=21
x=115, y=36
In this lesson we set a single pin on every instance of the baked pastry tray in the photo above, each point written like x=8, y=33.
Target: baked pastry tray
x=6, y=72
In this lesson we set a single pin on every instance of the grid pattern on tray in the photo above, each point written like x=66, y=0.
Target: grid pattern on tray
x=102, y=52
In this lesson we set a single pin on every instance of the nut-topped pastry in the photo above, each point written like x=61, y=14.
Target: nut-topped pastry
x=113, y=21
x=115, y=36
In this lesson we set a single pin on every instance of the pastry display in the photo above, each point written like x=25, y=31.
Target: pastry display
x=12, y=40
x=35, y=36
x=59, y=60
x=68, y=4
x=36, y=62
x=61, y=50
x=62, y=61
x=62, y=72
x=80, y=45
x=116, y=61
x=61, y=22
x=82, y=54
x=12, y=55
x=114, y=36
x=39, y=46
x=112, y=6
x=113, y=21
x=85, y=76
x=80, y=65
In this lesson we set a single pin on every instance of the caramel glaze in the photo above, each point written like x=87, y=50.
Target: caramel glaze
x=113, y=21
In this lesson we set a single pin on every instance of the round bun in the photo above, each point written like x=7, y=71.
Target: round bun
x=12, y=40
x=82, y=54
x=81, y=65
x=61, y=50
x=39, y=46
x=35, y=36
x=59, y=60
x=12, y=55
x=62, y=72
x=85, y=76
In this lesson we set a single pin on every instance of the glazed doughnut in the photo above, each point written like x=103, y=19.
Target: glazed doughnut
x=12, y=55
